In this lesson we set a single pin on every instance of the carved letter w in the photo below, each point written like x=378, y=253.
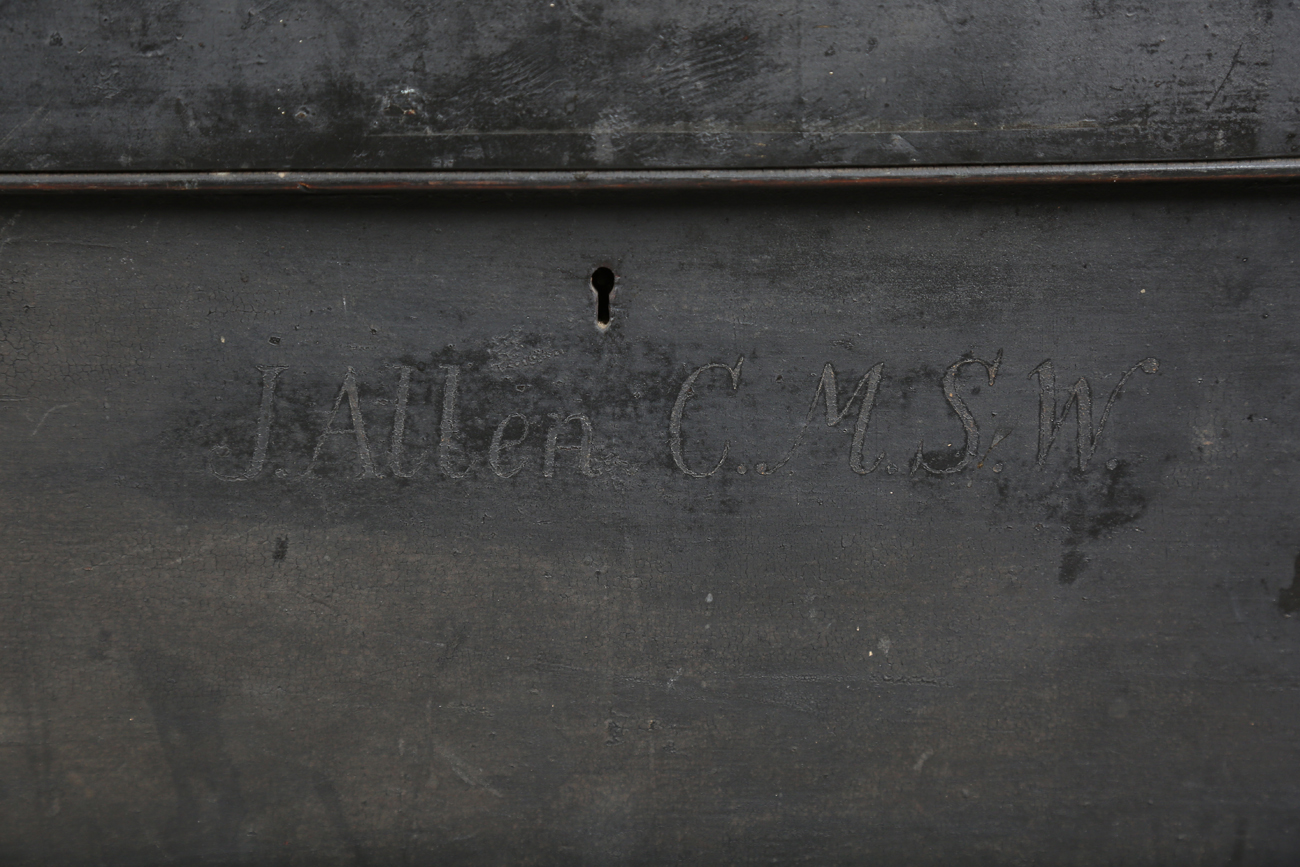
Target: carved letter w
x=1080, y=394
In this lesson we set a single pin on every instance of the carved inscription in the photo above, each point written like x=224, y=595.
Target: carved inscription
x=397, y=460
x=269, y=377
x=583, y=448
x=502, y=447
x=343, y=436
x=1080, y=394
x=448, y=426
x=686, y=392
x=970, y=429
x=365, y=462
x=865, y=393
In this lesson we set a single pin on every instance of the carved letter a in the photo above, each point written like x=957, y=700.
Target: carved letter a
x=364, y=458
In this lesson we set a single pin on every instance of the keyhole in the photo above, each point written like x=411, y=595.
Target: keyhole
x=602, y=281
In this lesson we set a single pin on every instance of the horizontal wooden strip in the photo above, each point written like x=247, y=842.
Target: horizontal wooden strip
x=1254, y=170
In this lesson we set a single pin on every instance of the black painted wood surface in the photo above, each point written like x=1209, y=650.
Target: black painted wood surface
x=337, y=531
x=138, y=85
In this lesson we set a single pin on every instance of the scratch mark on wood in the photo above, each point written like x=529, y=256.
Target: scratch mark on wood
x=468, y=774
x=1236, y=60
x=35, y=115
x=37, y=429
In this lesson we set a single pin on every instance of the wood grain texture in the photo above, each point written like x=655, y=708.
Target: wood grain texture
x=286, y=579
x=134, y=85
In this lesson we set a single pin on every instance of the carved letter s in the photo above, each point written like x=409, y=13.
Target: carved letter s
x=970, y=428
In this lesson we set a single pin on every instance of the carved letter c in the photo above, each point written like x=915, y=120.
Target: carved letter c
x=675, y=420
